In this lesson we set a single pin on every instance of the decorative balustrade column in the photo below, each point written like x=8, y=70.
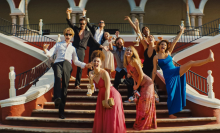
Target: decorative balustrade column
x=12, y=90
x=41, y=26
x=200, y=23
x=14, y=22
x=210, y=81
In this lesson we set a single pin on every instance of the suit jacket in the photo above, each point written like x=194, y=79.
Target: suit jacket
x=88, y=39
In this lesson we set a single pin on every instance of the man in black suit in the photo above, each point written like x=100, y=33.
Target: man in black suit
x=97, y=32
x=82, y=38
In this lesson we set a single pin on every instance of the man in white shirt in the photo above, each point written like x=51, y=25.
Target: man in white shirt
x=65, y=54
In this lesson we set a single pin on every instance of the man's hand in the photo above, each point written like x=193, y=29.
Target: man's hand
x=117, y=33
x=84, y=12
x=68, y=11
x=105, y=48
x=89, y=65
x=45, y=47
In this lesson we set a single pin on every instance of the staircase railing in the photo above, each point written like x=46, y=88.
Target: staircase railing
x=124, y=28
x=192, y=34
x=31, y=36
x=196, y=81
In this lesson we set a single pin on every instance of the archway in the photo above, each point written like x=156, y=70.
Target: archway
x=5, y=10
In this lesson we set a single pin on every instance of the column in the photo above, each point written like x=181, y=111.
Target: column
x=80, y=15
x=141, y=20
x=21, y=21
x=200, y=24
x=200, y=20
x=14, y=21
x=73, y=17
x=192, y=17
x=133, y=19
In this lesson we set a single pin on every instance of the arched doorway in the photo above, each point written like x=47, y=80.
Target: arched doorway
x=5, y=10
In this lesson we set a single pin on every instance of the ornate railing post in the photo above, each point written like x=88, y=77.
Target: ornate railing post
x=210, y=81
x=12, y=90
x=40, y=26
x=58, y=38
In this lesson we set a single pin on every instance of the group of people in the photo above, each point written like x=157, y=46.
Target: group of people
x=103, y=50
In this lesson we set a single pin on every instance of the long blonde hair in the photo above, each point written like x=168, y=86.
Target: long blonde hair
x=134, y=57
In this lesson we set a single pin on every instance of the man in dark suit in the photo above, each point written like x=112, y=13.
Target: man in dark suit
x=97, y=32
x=82, y=38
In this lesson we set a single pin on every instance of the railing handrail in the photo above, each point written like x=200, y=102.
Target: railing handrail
x=32, y=75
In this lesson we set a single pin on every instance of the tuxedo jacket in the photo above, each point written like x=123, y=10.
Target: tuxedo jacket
x=88, y=39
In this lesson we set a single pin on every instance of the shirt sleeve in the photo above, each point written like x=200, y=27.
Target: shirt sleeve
x=114, y=49
x=52, y=51
x=93, y=41
x=76, y=61
x=75, y=28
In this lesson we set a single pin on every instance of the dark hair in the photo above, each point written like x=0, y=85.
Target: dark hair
x=118, y=39
x=98, y=53
x=83, y=19
x=158, y=45
x=144, y=28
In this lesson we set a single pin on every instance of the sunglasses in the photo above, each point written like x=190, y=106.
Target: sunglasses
x=68, y=34
x=101, y=22
x=82, y=24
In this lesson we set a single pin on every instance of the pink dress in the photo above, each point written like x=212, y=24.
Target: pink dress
x=108, y=120
x=145, y=108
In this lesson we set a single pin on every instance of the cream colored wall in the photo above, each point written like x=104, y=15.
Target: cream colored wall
x=5, y=10
x=113, y=11
x=51, y=11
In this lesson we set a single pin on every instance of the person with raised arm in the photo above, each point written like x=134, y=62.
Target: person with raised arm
x=82, y=39
x=108, y=118
x=65, y=54
x=174, y=76
x=149, y=48
x=145, y=106
x=118, y=51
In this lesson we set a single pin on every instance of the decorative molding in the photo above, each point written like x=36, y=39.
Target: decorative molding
x=19, y=45
x=44, y=84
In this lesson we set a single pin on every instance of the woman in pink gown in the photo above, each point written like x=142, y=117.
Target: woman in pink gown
x=107, y=119
x=145, y=108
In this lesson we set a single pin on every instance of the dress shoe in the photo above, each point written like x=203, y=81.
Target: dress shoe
x=57, y=103
x=61, y=116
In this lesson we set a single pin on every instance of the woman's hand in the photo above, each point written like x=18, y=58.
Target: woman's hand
x=127, y=18
x=106, y=105
x=135, y=87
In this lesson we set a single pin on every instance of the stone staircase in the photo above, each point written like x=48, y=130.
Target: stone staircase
x=80, y=110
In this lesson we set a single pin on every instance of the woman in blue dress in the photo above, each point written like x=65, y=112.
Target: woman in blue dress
x=174, y=76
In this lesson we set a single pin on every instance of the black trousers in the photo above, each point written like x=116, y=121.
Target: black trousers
x=129, y=81
x=62, y=73
x=81, y=55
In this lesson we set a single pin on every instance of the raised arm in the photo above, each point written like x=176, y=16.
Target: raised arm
x=110, y=44
x=176, y=39
x=106, y=78
x=69, y=22
x=51, y=52
x=140, y=73
x=92, y=29
x=131, y=23
x=154, y=72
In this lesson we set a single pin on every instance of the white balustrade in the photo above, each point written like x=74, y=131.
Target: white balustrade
x=210, y=81
x=41, y=27
x=12, y=90
x=58, y=38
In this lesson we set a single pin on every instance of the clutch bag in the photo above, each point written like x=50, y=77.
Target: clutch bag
x=111, y=102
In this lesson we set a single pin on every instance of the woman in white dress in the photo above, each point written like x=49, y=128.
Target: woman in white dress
x=108, y=64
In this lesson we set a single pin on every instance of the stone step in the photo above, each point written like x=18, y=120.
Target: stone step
x=72, y=98
x=82, y=92
x=92, y=106
x=213, y=128
x=86, y=80
x=88, y=122
x=84, y=86
x=91, y=113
